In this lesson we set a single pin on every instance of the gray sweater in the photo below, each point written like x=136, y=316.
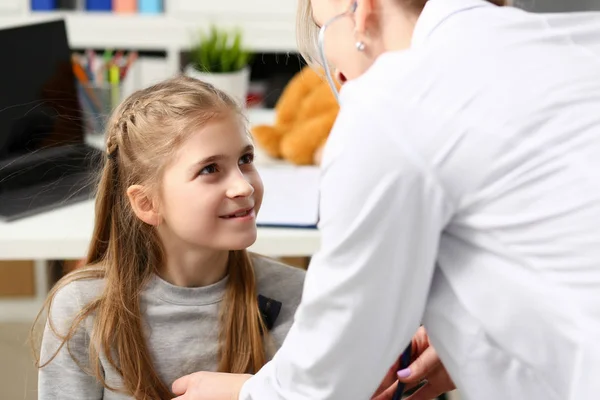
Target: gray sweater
x=182, y=330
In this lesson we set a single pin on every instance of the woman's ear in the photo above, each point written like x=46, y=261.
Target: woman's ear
x=364, y=11
x=142, y=205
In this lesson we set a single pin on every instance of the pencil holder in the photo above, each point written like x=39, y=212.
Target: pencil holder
x=97, y=102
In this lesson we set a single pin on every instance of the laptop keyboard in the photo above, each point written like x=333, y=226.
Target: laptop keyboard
x=49, y=182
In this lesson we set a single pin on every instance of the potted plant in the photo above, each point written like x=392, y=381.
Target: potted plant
x=219, y=58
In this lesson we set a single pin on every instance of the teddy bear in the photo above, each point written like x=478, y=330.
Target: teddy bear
x=304, y=115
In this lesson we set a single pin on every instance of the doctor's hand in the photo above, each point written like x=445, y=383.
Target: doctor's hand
x=209, y=386
x=426, y=366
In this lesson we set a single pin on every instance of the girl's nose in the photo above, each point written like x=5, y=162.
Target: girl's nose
x=240, y=187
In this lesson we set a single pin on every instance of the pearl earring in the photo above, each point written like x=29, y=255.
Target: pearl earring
x=360, y=46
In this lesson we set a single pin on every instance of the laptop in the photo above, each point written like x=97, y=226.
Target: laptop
x=44, y=161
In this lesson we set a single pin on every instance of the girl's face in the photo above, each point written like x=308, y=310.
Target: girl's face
x=211, y=191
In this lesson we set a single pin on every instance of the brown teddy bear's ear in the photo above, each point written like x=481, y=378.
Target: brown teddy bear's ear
x=268, y=138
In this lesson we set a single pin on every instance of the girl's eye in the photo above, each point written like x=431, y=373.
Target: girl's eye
x=247, y=159
x=209, y=169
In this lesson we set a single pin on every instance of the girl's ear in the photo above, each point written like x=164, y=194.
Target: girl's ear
x=142, y=205
x=364, y=11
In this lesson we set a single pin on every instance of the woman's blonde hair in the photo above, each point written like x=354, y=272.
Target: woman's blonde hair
x=307, y=31
x=143, y=134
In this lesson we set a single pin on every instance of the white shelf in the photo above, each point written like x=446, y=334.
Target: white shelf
x=262, y=31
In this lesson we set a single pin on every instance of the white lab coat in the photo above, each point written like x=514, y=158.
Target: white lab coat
x=461, y=190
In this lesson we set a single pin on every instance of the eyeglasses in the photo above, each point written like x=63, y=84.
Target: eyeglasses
x=321, y=47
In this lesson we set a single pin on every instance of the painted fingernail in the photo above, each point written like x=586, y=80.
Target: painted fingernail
x=403, y=373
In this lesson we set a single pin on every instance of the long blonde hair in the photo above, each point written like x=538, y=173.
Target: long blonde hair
x=307, y=31
x=143, y=133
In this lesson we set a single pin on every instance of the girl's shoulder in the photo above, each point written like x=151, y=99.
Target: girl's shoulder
x=284, y=284
x=76, y=290
x=277, y=280
x=69, y=298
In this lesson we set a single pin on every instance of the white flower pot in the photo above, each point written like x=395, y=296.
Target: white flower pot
x=234, y=84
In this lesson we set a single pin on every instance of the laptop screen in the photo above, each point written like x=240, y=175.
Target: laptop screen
x=38, y=96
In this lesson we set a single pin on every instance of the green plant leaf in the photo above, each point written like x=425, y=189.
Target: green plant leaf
x=237, y=43
x=214, y=51
x=219, y=51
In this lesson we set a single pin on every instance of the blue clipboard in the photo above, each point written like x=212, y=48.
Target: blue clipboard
x=284, y=226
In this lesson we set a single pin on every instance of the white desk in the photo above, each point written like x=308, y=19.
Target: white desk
x=65, y=233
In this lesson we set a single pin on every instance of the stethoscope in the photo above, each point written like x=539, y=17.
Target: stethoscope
x=321, y=47
x=406, y=355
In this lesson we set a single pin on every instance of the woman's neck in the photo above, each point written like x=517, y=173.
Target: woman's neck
x=193, y=267
x=398, y=30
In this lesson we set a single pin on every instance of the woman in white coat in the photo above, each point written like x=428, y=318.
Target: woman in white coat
x=461, y=191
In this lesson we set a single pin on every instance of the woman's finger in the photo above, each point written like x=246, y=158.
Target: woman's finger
x=438, y=382
x=423, y=365
x=387, y=394
x=426, y=392
x=411, y=385
x=420, y=340
x=179, y=387
x=388, y=380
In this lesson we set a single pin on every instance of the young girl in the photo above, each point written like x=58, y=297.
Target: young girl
x=169, y=288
